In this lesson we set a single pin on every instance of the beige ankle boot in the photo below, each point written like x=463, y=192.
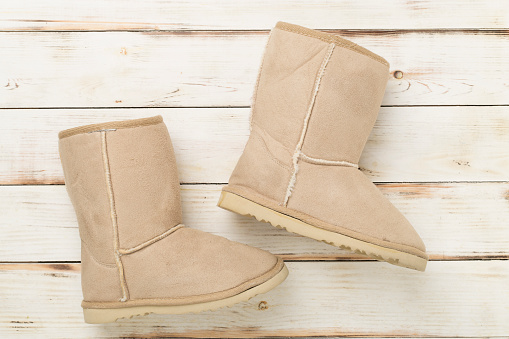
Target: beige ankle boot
x=315, y=103
x=137, y=257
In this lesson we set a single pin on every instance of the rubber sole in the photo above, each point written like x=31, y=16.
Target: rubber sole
x=243, y=206
x=102, y=316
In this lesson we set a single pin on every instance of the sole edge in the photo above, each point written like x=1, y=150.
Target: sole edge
x=235, y=203
x=102, y=316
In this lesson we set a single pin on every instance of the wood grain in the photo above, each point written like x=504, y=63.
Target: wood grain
x=439, y=152
x=231, y=14
x=408, y=144
x=451, y=299
x=204, y=69
x=461, y=221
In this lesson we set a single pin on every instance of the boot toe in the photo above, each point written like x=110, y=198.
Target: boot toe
x=346, y=200
x=194, y=266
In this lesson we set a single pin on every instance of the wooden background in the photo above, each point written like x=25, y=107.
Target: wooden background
x=439, y=151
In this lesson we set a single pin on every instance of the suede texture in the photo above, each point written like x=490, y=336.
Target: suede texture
x=123, y=182
x=268, y=164
x=346, y=107
x=311, y=220
x=93, y=272
x=82, y=163
x=190, y=262
x=285, y=84
x=344, y=196
x=319, y=188
x=143, y=166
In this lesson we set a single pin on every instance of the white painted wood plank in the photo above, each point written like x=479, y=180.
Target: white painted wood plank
x=231, y=14
x=203, y=69
x=456, y=221
x=451, y=299
x=408, y=144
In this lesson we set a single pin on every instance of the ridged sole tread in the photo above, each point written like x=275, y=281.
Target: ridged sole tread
x=243, y=206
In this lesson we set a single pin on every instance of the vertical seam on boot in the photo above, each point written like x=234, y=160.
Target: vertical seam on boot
x=297, y=152
x=113, y=215
x=253, y=99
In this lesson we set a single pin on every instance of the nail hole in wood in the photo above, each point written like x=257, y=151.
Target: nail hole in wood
x=398, y=74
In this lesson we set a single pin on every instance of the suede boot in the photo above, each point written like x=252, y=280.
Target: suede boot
x=315, y=102
x=137, y=256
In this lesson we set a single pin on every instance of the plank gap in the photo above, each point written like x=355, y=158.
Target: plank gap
x=225, y=107
x=379, y=183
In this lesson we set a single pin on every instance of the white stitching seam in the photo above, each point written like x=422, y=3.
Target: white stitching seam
x=296, y=153
x=103, y=130
x=113, y=215
x=319, y=161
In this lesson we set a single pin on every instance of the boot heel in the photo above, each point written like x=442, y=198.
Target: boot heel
x=235, y=203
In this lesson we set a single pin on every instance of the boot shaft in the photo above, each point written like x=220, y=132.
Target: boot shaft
x=316, y=100
x=123, y=182
x=318, y=93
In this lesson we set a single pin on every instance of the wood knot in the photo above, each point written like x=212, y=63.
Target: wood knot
x=262, y=306
x=398, y=74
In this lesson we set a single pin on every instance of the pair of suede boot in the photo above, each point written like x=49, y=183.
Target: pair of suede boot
x=315, y=103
